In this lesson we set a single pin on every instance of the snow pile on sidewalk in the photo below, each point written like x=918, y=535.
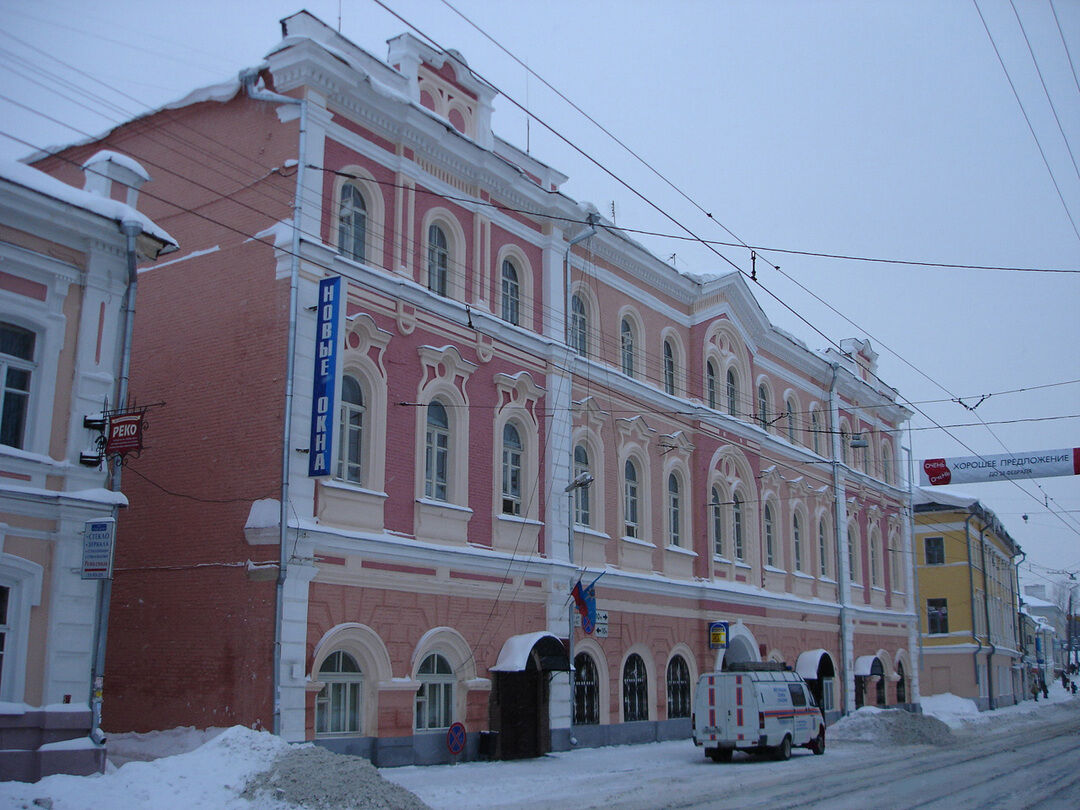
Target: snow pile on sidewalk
x=239, y=769
x=315, y=778
x=893, y=726
x=134, y=746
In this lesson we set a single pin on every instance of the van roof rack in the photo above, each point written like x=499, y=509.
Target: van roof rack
x=758, y=666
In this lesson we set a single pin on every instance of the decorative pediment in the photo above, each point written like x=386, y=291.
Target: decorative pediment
x=634, y=430
x=445, y=363
x=517, y=391
x=589, y=413
x=364, y=335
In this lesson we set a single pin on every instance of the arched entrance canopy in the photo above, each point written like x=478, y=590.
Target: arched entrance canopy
x=550, y=652
x=809, y=664
x=864, y=665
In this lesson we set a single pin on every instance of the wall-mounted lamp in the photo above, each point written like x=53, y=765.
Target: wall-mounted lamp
x=858, y=441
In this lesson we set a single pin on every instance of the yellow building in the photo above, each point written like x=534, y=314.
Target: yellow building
x=967, y=586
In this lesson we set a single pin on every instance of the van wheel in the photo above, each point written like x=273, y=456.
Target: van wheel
x=817, y=745
x=782, y=752
x=720, y=754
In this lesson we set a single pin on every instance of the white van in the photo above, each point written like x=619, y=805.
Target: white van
x=756, y=708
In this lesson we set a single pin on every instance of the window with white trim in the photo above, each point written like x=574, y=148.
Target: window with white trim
x=511, y=293
x=511, y=470
x=351, y=426
x=674, y=511
x=626, y=345
x=796, y=542
x=16, y=364
x=352, y=222
x=438, y=260
x=579, y=326
x=763, y=405
x=737, y=526
x=770, y=555
x=792, y=427
x=338, y=704
x=437, y=452
x=823, y=545
x=669, y=368
x=710, y=384
x=582, y=504
x=435, y=697
x=631, y=500
x=5, y=630
x=715, y=507
x=732, y=393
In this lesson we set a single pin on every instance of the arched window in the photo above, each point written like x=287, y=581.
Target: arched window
x=579, y=326
x=678, y=688
x=823, y=555
x=635, y=682
x=796, y=542
x=792, y=428
x=435, y=697
x=878, y=671
x=845, y=450
x=16, y=364
x=770, y=553
x=437, y=452
x=350, y=452
x=631, y=500
x=710, y=384
x=337, y=706
x=736, y=526
x=669, y=368
x=886, y=464
x=438, y=260
x=875, y=561
x=352, y=222
x=674, y=511
x=732, y=393
x=626, y=342
x=853, y=557
x=586, y=691
x=511, y=293
x=715, y=507
x=763, y=405
x=901, y=683
x=582, y=504
x=815, y=431
x=511, y=471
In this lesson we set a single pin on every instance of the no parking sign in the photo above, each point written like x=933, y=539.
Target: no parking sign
x=455, y=738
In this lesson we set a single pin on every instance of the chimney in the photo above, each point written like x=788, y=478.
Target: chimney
x=114, y=176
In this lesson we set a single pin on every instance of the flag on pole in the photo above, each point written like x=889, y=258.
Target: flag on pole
x=585, y=600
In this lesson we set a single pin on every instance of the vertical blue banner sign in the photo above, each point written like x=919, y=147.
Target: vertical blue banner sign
x=321, y=454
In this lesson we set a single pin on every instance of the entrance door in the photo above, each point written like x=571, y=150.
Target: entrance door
x=524, y=728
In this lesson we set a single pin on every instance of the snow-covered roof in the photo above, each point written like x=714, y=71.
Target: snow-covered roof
x=925, y=495
x=45, y=184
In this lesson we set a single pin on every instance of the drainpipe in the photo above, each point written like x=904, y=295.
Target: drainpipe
x=986, y=612
x=843, y=576
x=971, y=597
x=248, y=77
x=131, y=229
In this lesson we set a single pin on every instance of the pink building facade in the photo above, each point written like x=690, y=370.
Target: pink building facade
x=497, y=342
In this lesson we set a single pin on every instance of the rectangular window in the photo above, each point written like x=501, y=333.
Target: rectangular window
x=937, y=616
x=935, y=550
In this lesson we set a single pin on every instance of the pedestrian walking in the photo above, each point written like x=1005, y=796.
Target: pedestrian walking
x=1045, y=691
x=1035, y=689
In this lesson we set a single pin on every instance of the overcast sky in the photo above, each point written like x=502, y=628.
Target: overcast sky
x=864, y=129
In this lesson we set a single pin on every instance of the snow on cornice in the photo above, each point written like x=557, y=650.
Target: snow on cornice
x=37, y=181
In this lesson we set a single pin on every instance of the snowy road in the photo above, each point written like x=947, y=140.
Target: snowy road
x=1032, y=761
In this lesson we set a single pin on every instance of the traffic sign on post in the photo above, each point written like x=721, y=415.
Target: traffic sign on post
x=455, y=738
